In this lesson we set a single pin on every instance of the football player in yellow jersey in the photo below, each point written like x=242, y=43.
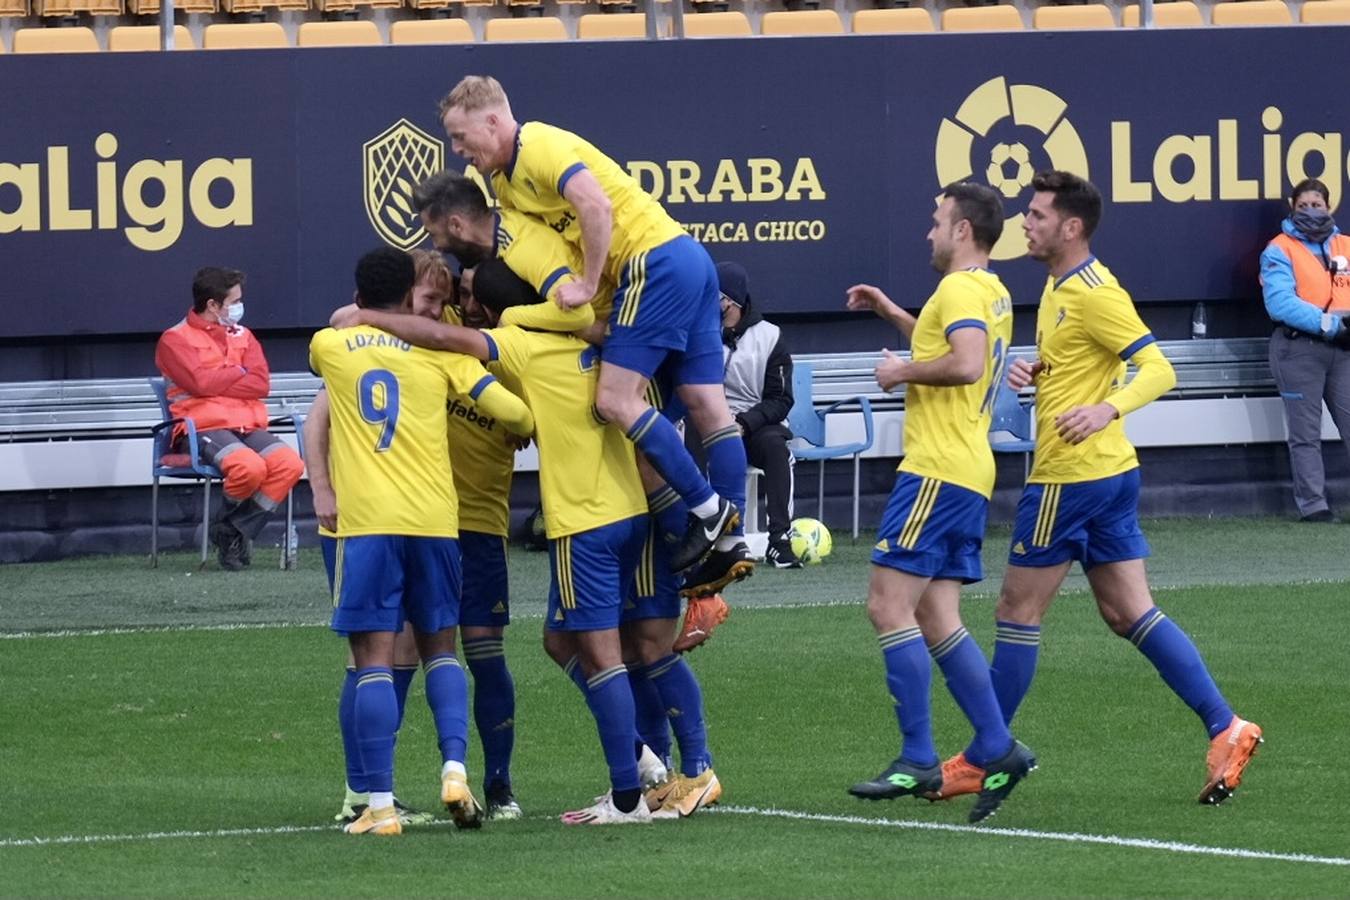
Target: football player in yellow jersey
x=454, y=211
x=396, y=554
x=933, y=528
x=666, y=305
x=1081, y=500
x=431, y=294
x=595, y=516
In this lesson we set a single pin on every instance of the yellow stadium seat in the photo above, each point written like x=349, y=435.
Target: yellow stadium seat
x=891, y=21
x=244, y=36
x=1177, y=14
x=535, y=28
x=13, y=7
x=600, y=26
x=982, y=18
x=362, y=33
x=1326, y=12
x=71, y=7
x=1063, y=18
x=55, y=40
x=1252, y=12
x=126, y=38
x=430, y=31
x=151, y=7
x=802, y=21
x=717, y=24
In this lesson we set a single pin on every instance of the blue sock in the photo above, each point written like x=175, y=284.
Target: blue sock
x=1014, y=666
x=403, y=677
x=649, y=712
x=376, y=715
x=494, y=706
x=351, y=748
x=683, y=701
x=1180, y=665
x=967, y=674
x=909, y=675
x=660, y=443
x=448, y=697
x=726, y=468
x=611, y=702
x=670, y=513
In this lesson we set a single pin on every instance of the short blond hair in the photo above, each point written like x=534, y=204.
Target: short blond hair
x=474, y=92
x=431, y=269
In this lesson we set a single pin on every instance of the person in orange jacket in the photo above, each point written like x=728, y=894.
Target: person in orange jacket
x=217, y=377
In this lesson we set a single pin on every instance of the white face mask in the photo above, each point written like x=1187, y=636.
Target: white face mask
x=234, y=312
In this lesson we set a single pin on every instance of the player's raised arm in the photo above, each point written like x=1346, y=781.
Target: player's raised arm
x=550, y=317
x=865, y=296
x=596, y=215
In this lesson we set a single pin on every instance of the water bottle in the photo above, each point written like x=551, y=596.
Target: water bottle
x=1199, y=323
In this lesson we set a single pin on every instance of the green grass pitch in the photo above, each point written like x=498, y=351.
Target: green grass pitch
x=146, y=748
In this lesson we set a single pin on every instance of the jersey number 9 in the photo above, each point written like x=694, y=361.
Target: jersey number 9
x=377, y=398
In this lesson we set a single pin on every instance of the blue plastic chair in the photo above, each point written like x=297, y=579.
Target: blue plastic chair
x=165, y=463
x=808, y=423
x=1010, y=416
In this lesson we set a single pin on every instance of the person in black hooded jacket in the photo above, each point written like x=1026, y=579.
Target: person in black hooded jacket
x=758, y=379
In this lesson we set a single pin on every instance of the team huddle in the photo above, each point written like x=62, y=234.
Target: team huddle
x=586, y=320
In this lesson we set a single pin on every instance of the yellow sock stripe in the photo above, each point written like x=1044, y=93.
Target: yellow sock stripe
x=1009, y=636
x=918, y=513
x=411, y=668
x=662, y=500
x=1045, y=517
x=337, y=572
x=1138, y=637
x=641, y=428
x=571, y=666
x=374, y=678
x=486, y=648
x=947, y=644
x=900, y=636
x=662, y=668
x=600, y=678
x=722, y=434
x=441, y=662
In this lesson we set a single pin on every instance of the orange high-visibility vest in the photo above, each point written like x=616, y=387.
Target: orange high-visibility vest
x=217, y=412
x=1313, y=282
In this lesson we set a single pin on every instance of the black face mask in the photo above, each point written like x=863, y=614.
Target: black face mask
x=1314, y=224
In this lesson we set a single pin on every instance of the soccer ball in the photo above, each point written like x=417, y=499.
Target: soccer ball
x=811, y=540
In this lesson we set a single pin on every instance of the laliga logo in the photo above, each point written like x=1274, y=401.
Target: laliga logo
x=991, y=133
x=402, y=156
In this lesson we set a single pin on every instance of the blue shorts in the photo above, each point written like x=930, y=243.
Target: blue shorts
x=654, y=592
x=1093, y=522
x=933, y=529
x=485, y=601
x=591, y=572
x=668, y=305
x=380, y=581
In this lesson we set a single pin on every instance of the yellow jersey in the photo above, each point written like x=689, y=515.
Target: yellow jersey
x=480, y=458
x=388, y=447
x=533, y=181
x=587, y=472
x=544, y=261
x=1086, y=329
x=947, y=427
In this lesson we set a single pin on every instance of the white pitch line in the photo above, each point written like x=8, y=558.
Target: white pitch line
x=1064, y=836
x=152, y=629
